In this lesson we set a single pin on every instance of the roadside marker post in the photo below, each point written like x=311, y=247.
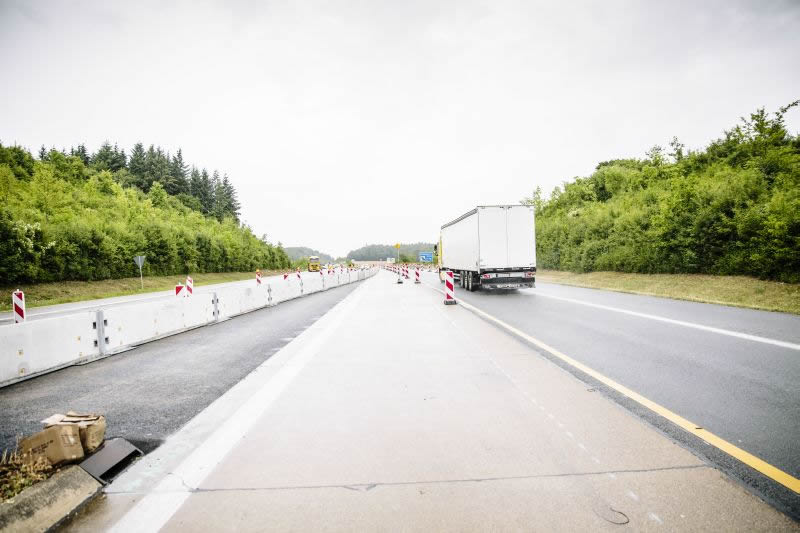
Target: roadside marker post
x=258, y=277
x=449, y=289
x=139, y=260
x=416, y=275
x=189, y=286
x=18, y=303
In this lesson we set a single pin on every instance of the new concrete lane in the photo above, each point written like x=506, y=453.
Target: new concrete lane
x=395, y=412
x=151, y=391
x=745, y=391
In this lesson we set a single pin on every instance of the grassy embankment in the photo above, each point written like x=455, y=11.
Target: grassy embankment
x=39, y=294
x=739, y=291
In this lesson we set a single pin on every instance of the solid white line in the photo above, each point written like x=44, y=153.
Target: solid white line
x=730, y=333
x=158, y=506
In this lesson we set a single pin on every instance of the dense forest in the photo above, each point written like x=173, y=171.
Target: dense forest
x=379, y=252
x=299, y=252
x=733, y=208
x=79, y=216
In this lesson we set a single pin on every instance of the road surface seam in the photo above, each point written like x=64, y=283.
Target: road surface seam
x=373, y=484
x=756, y=463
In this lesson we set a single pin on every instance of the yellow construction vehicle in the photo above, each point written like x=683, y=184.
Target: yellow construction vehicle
x=313, y=264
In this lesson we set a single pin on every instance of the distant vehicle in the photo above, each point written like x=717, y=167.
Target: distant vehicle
x=492, y=246
x=313, y=264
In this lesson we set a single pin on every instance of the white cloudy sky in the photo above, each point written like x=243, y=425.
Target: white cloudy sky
x=346, y=123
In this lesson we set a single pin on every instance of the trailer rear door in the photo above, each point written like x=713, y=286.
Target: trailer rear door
x=492, y=237
x=521, y=236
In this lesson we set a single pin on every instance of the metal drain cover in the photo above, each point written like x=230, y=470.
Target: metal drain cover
x=111, y=459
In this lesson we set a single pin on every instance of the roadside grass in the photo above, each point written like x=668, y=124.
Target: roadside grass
x=19, y=471
x=739, y=291
x=61, y=292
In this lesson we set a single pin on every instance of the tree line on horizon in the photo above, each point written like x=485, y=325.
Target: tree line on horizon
x=732, y=208
x=208, y=193
x=79, y=216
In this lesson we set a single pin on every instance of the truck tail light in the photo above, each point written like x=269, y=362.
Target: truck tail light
x=486, y=276
x=530, y=274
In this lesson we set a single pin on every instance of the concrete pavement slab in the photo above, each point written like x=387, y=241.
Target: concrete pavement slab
x=415, y=416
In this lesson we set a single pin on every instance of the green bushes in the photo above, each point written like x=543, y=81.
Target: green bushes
x=61, y=220
x=731, y=209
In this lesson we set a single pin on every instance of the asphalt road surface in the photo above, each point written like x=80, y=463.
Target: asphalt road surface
x=742, y=383
x=149, y=392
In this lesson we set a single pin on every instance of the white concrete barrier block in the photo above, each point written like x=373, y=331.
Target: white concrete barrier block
x=36, y=346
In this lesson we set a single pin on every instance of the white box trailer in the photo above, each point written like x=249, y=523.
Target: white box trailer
x=491, y=246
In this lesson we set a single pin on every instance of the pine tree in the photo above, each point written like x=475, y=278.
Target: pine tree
x=177, y=169
x=81, y=153
x=206, y=193
x=232, y=202
x=120, y=160
x=104, y=158
x=137, y=166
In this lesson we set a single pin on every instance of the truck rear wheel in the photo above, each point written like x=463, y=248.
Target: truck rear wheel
x=469, y=282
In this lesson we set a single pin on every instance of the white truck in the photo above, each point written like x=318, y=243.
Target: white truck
x=491, y=246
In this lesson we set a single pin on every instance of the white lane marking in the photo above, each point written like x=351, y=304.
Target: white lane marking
x=611, y=475
x=581, y=446
x=632, y=495
x=551, y=417
x=158, y=506
x=654, y=517
x=560, y=425
x=728, y=332
x=596, y=460
x=569, y=434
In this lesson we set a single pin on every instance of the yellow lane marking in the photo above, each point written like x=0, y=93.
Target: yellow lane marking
x=772, y=472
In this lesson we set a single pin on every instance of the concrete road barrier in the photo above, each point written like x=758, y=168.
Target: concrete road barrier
x=32, y=348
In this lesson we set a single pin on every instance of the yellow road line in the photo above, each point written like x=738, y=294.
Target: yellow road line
x=772, y=472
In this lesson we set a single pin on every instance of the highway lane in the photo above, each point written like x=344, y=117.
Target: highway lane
x=151, y=391
x=745, y=391
x=53, y=311
x=397, y=412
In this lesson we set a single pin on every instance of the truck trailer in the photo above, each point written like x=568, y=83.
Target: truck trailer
x=490, y=247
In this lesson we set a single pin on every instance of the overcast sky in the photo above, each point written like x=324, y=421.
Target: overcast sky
x=347, y=123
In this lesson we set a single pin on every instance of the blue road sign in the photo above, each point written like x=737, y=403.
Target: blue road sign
x=426, y=257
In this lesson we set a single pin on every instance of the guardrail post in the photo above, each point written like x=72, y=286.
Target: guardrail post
x=100, y=324
x=269, y=294
x=215, y=301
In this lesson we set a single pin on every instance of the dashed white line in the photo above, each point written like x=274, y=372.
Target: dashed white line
x=654, y=517
x=632, y=495
x=711, y=329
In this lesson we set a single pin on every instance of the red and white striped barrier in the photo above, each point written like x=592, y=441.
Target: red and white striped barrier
x=179, y=289
x=286, y=276
x=416, y=275
x=258, y=277
x=449, y=288
x=18, y=303
x=189, y=286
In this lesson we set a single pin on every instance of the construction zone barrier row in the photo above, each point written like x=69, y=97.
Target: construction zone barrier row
x=32, y=347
